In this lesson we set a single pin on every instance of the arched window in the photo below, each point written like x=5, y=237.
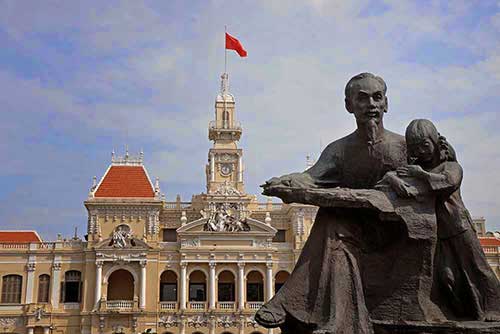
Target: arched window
x=43, y=288
x=11, y=289
x=168, y=286
x=197, y=287
x=255, y=287
x=121, y=285
x=281, y=278
x=225, y=287
x=71, y=288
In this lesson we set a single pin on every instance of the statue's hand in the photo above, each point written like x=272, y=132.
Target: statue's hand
x=294, y=180
x=410, y=171
x=402, y=188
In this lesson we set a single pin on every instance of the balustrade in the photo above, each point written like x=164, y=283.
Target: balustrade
x=254, y=306
x=198, y=306
x=226, y=306
x=119, y=304
x=168, y=306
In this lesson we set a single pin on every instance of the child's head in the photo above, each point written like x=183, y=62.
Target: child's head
x=422, y=142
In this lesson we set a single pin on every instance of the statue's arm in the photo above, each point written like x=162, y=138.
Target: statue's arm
x=401, y=187
x=321, y=174
x=446, y=180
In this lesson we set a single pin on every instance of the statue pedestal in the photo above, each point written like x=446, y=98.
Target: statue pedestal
x=464, y=327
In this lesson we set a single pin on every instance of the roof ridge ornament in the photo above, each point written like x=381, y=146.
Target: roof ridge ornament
x=127, y=159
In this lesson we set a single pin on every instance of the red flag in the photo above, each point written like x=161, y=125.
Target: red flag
x=233, y=44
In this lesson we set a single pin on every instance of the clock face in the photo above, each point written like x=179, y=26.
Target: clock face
x=226, y=169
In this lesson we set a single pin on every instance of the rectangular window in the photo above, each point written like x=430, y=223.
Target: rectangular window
x=169, y=235
x=168, y=292
x=255, y=292
x=71, y=288
x=12, y=289
x=226, y=292
x=43, y=288
x=197, y=292
x=280, y=236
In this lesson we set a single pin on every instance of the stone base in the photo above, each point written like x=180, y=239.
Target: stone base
x=465, y=327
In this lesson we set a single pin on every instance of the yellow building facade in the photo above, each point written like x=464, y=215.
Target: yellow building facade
x=146, y=264
x=203, y=266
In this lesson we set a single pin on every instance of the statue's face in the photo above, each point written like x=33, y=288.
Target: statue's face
x=422, y=151
x=368, y=101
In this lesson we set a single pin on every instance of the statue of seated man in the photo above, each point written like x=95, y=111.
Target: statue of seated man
x=325, y=294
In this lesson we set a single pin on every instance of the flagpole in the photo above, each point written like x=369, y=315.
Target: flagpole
x=225, y=50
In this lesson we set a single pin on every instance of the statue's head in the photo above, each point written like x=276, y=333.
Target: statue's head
x=422, y=141
x=365, y=97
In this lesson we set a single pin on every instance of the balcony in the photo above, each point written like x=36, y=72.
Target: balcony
x=197, y=306
x=226, y=306
x=229, y=132
x=119, y=305
x=168, y=306
x=254, y=306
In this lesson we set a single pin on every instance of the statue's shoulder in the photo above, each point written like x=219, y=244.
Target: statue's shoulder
x=339, y=145
x=394, y=137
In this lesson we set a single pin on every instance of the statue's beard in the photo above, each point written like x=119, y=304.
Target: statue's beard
x=371, y=129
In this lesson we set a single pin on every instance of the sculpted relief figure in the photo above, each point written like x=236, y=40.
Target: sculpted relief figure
x=370, y=255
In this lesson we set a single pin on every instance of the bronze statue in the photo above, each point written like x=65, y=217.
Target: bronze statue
x=370, y=255
x=471, y=288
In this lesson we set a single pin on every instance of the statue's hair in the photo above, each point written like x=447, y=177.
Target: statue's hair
x=352, y=81
x=420, y=129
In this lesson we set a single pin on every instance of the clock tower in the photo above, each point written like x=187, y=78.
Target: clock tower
x=224, y=170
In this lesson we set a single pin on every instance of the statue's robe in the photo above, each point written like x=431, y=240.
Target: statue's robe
x=466, y=283
x=352, y=264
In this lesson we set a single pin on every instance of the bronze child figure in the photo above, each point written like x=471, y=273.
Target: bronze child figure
x=461, y=269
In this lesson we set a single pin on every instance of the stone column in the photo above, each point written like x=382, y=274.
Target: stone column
x=55, y=284
x=182, y=326
x=242, y=325
x=211, y=282
x=98, y=284
x=46, y=330
x=31, y=330
x=142, y=297
x=241, y=286
x=213, y=325
x=212, y=167
x=269, y=281
x=240, y=169
x=183, y=288
x=30, y=282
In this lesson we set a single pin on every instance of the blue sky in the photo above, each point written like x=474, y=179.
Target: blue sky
x=81, y=78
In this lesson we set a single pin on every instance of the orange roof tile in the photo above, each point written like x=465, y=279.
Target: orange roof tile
x=489, y=241
x=125, y=181
x=19, y=236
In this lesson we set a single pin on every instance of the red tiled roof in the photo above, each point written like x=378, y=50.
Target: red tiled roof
x=125, y=181
x=19, y=236
x=489, y=241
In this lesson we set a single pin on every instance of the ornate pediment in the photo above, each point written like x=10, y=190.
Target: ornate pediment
x=131, y=243
x=122, y=238
x=254, y=227
x=226, y=217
